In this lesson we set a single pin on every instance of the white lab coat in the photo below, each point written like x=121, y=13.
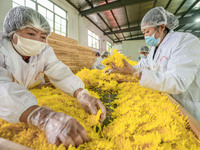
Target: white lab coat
x=176, y=70
x=1, y=35
x=16, y=76
x=143, y=63
x=98, y=64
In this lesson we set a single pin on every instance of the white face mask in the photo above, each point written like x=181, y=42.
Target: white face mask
x=28, y=47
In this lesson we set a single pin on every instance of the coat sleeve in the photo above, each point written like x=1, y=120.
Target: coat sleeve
x=14, y=99
x=60, y=74
x=143, y=64
x=181, y=70
x=95, y=64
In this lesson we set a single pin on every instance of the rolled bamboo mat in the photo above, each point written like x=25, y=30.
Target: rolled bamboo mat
x=67, y=50
x=60, y=37
x=72, y=54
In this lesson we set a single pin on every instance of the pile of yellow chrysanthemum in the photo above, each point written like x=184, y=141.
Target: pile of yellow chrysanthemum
x=117, y=59
x=98, y=79
x=58, y=101
x=140, y=119
x=143, y=119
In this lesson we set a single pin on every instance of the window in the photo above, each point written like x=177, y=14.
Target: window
x=93, y=40
x=56, y=16
x=108, y=46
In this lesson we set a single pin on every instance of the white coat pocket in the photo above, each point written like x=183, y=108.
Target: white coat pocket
x=163, y=64
x=38, y=79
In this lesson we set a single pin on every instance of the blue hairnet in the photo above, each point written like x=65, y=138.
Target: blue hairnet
x=22, y=17
x=158, y=16
x=105, y=53
x=144, y=49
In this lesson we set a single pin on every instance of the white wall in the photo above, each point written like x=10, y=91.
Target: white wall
x=117, y=46
x=5, y=6
x=84, y=25
x=130, y=48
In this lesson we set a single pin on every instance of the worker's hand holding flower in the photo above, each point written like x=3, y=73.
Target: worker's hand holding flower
x=127, y=69
x=91, y=104
x=58, y=127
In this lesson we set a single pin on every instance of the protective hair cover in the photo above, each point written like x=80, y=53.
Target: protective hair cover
x=105, y=53
x=143, y=49
x=22, y=17
x=158, y=16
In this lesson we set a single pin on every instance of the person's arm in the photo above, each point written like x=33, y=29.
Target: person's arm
x=95, y=64
x=127, y=69
x=17, y=104
x=63, y=78
x=143, y=63
x=58, y=127
x=14, y=99
x=100, y=66
x=55, y=125
x=181, y=69
x=26, y=113
x=60, y=75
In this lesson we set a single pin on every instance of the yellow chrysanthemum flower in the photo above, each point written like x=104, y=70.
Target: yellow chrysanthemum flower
x=139, y=118
x=117, y=59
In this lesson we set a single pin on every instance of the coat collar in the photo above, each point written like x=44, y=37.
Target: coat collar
x=16, y=65
x=156, y=58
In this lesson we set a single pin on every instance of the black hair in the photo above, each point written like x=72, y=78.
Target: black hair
x=167, y=30
x=97, y=54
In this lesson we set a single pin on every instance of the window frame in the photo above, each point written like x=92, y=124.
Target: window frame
x=108, y=45
x=53, y=29
x=95, y=40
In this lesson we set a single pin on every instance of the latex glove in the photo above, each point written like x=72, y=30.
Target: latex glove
x=91, y=104
x=127, y=69
x=58, y=127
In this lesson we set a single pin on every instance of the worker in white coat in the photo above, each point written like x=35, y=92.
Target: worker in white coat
x=97, y=62
x=174, y=60
x=25, y=57
x=144, y=51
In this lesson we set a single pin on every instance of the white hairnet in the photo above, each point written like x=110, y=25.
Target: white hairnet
x=144, y=49
x=21, y=17
x=158, y=16
x=105, y=53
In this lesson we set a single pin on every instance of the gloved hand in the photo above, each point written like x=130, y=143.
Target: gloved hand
x=91, y=104
x=127, y=69
x=59, y=127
